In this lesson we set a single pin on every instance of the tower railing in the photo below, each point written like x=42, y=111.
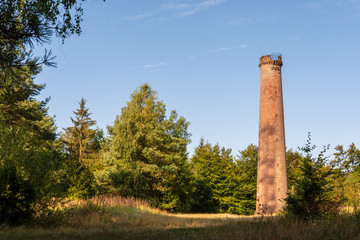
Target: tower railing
x=275, y=56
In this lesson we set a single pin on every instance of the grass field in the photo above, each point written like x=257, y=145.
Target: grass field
x=119, y=218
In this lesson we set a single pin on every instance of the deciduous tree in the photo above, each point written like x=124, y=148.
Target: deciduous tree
x=146, y=155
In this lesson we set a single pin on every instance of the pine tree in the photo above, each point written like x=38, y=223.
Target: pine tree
x=77, y=138
x=18, y=104
x=29, y=152
x=79, y=179
x=26, y=22
x=215, y=166
x=246, y=179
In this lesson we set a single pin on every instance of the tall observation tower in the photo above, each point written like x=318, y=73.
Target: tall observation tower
x=271, y=175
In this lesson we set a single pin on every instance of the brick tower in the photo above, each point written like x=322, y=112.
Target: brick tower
x=271, y=175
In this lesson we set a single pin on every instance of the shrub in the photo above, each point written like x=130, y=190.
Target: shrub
x=311, y=195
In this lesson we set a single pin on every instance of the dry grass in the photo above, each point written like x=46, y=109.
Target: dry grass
x=120, y=218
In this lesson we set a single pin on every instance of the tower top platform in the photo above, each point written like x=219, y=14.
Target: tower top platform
x=273, y=59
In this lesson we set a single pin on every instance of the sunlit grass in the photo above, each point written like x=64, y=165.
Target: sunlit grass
x=124, y=218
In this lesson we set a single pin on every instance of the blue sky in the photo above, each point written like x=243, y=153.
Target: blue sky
x=202, y=57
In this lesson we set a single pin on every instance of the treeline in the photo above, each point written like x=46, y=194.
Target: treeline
x=144, y=155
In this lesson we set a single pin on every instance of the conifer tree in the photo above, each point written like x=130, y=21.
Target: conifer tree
x=79, y=179
x=146, y=157
x=26, y=22
x=29, y=152
x=18, y=104
x=77, y=137
x=246, y=179
x=214, y=165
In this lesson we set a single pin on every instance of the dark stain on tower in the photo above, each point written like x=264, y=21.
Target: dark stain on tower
x=271, y=177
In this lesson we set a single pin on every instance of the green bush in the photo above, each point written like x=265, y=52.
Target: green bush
x=27, y=172
x=311, y=194
x=80, y=181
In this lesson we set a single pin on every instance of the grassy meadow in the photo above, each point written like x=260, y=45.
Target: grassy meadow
x=120, y=218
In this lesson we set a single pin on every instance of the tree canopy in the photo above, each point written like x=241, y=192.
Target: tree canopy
x=26, y=22
x=147, y=150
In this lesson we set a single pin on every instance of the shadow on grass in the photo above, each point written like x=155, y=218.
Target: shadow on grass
x=265, y=228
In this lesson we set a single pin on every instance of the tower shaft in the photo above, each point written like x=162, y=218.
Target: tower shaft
x=271, y=175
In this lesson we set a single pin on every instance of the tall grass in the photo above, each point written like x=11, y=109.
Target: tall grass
x=124, y=218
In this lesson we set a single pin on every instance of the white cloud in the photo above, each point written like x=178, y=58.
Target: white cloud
x=175, y=6
x=321, y=4
x=221, y=49
x=154, y=65
x=187, y=13
x=191, y=9
x=178, y=8
x=210, y=3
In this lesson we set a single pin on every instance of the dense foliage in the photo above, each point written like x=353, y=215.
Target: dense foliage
x=32, y=165
x=310, y=196
x=247, y=178
x=79, y=143
x=146, y=155
x=214, y=167
x=25, y=22
x=229, y=185
x=29, y=150
x=29, y=159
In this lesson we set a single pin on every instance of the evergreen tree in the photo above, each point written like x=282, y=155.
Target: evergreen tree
x=29, y=152
x=79, y=182
x=346, y=175
x=215, y=167
x=77, y=138
x=27, y=133
x=97, y=139
x=28, y=172
x=146, y=155
x=26, y=22
x=79, y=144
x=96, y=144
x=246, y=179
x=18, y=105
